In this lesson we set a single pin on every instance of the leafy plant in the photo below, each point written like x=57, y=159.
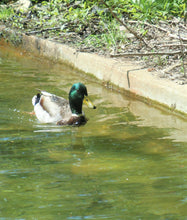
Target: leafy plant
x=155, y=9
x=6, y=13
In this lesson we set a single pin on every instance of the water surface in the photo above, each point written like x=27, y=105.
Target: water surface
x=127, y=162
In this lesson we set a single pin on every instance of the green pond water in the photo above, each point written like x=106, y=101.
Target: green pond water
x=128, y=161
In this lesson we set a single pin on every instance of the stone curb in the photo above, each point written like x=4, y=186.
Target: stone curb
x=142, y=82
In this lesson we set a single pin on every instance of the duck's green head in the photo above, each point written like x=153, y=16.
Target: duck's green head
x=77, y=95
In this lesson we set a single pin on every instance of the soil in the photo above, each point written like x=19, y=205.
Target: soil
x=160, y=47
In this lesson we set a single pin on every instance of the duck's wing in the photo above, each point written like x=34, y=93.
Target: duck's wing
x=51, y=108
x=55, y=105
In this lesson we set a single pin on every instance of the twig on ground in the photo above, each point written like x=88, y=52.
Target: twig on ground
x=155, y=26
x=150, y=25
x=170, y=68
x=42, y=30
x=161, y=29
x=177, y=37
x=171, y=45
x=148, y=54
x=182, y=52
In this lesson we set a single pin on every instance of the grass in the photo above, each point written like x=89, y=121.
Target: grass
x=157, y=9
x=5, y=13
x=135, y=9
x=111, y=37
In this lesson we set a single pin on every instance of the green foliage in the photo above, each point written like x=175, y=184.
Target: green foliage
x=135, y=9
x=148, y=9
x=111, y=38
x=6, y=13
x=7, y=1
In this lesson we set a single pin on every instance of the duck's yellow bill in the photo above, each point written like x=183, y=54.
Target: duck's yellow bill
x=88, y=102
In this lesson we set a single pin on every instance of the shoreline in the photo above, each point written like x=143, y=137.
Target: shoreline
x=126, y=76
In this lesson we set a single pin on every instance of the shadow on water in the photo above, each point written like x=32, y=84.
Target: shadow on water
x=127, y=162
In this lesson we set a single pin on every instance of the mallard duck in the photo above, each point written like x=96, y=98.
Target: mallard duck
x=50, y=108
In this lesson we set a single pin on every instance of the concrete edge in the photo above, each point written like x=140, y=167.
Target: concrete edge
x=142, y=82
